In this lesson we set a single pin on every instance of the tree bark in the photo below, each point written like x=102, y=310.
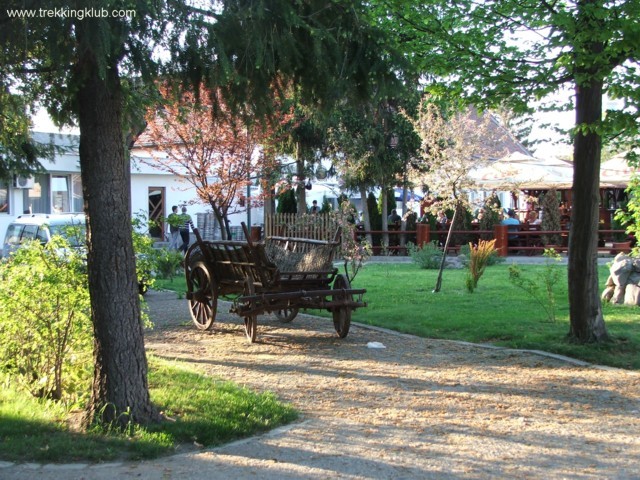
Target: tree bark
x=385, y=218
x=301, y=193
x=366, y=218
x=585, y=308
x=120, y=392
x=438, y=286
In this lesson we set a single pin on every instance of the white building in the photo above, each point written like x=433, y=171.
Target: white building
x=153, y=192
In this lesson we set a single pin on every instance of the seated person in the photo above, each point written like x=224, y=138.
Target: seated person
x=513, y=224
x=478, y=218
x=532, y=218
x=394, y=218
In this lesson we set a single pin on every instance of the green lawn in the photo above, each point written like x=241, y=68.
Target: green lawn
x=400, y=297
x=202, y=410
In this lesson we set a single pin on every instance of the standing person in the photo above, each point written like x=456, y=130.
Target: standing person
x=315, y=208
x=174, y=222
x=441, y=224
x=186, y=224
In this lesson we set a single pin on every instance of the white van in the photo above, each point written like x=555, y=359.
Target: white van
x=42, y=226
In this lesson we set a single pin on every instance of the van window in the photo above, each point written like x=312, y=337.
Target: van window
x=75, y=234
x=29, y=233
x=42, y=234
x=14, y=232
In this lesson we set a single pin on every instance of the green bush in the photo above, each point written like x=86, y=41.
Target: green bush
x=45, y=329
x=167, y=262
x=542, y=287
x=287, y=202
x=143, y=248
x=491, y=215
x=375, y=218
x=428, y=257
x=551, y=218
x=326, y=205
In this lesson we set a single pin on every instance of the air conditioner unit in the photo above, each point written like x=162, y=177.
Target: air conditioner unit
x=22, y=181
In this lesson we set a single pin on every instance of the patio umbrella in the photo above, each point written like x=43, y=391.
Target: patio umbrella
x=502, y=175
x=616, y=173
x=411, y=196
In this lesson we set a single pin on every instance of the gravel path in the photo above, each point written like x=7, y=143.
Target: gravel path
x=418, y=408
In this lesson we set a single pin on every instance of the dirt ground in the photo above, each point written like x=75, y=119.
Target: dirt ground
x=418, y=408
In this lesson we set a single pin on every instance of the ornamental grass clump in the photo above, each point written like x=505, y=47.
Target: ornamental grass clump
x=479, y=257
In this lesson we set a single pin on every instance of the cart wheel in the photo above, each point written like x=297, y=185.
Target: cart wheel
x=202, y=294
x=341, y=315
x=286, y=314
x=251, y=321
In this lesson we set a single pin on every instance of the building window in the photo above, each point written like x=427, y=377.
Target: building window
x=54, y=193
x=60, y=193
x=36, y=199
x=76, y=185
x=4, y=197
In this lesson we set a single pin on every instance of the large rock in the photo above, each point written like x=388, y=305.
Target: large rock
x=632, y=295
x=623, y=284
x=621, y=269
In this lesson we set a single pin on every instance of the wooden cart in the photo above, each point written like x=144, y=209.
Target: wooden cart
x=280, y=275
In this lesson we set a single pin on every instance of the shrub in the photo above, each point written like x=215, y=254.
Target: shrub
x=143, y=248
x=631, y=215
x=287, y=202
x=375, y=218
x=542, y=287
x=491, y=215
x=551, y=218
x=462, y=222
x=354, y=253
x=428, y=257
x=326, y=205
x=166, y=262
x=45, y=327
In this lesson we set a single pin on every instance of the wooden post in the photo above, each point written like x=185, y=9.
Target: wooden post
x=423, y=234
x=501, y=234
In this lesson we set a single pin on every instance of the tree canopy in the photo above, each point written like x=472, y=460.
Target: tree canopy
x=96, y=70
x=520, y=51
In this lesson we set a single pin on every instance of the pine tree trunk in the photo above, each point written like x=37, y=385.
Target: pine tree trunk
x=120, y=371
x=301, y=192
x=585, y=309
